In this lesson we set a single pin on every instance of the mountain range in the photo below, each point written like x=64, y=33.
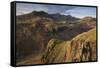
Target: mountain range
x=38, y=32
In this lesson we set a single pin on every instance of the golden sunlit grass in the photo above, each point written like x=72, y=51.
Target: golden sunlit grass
x=88, y=36
x=59, y=51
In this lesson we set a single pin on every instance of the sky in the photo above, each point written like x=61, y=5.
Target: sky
x=77, y=11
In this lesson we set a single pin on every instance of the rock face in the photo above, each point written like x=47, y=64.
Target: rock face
x=83, y=47
x=80, y=48
x=83, y=51
x=56, y=52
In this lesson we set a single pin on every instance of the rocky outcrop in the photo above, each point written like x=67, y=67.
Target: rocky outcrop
x=80, y=48
x=83, y=47
x=55, y=52
x=83, y=51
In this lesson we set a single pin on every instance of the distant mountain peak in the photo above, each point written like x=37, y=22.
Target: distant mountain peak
x=39, y=12
x=87, y=18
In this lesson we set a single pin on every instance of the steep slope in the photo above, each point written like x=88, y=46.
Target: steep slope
x=80, y=48
x=55, y=52
x=30, y=39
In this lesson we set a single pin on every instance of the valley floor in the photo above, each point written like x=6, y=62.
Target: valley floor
x=31, y=60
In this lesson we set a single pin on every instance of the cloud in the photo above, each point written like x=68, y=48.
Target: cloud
x=82, y=11
x=58, y=8
x=26, y=8
x=78, y=11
